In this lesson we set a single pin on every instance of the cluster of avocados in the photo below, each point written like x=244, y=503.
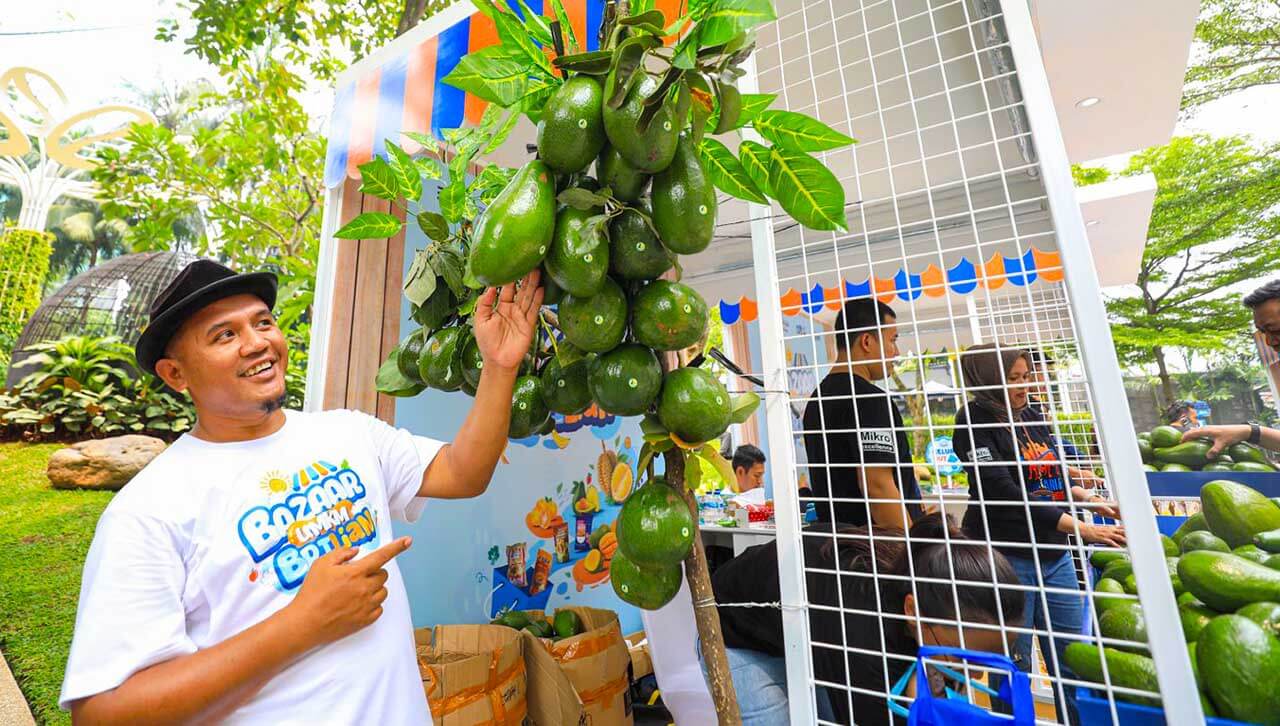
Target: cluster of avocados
x=1224, y=568
x=602, y=242
x=1162, y=449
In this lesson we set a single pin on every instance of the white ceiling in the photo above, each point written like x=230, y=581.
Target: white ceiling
x=1130, y=54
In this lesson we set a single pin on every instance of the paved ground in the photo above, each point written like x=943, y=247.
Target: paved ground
x=13, y=707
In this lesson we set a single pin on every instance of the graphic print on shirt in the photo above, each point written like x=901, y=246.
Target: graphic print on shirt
x=315, y=511
x=1043, y=472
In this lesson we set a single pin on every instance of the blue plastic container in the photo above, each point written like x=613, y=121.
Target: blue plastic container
x=1095, y=710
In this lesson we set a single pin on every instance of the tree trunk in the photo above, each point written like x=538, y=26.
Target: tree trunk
x=1166, y=380
x=411, y=15
x=704, y=609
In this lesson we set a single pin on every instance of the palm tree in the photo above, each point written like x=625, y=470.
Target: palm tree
x=82, y=238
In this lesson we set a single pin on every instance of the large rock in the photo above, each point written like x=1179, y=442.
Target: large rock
x=102, y=463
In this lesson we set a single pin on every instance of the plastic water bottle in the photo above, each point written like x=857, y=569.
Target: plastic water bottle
x=717, y=506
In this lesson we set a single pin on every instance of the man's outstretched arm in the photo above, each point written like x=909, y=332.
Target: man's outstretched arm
x=504, y=327
x=338, y=598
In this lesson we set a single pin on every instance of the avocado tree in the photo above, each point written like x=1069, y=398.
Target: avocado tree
x=652, y=110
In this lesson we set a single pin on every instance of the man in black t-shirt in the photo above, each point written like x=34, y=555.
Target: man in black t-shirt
x=853, y=435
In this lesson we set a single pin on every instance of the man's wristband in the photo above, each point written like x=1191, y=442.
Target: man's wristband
x=1255, y=433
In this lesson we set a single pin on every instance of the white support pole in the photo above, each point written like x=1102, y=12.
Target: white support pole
x=1173, y=667
x=777, y=411
x=322, y=306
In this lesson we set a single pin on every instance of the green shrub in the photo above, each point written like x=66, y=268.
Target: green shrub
x=84, y=387
x=24, y=263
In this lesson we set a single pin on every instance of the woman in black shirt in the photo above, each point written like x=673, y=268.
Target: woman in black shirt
x=1018, y=493
x=887, y=617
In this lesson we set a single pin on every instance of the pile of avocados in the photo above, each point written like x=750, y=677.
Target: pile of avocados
x=1162, y=449
x=565, y=624
x=1224, y=567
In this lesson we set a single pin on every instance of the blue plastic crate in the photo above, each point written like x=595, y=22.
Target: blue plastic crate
x=1188, y=483
x=1095, y=710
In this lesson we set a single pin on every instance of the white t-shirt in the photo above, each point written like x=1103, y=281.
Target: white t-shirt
x=210, y=539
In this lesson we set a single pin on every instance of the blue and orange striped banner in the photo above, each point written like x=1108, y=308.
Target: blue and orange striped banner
x=407, y=93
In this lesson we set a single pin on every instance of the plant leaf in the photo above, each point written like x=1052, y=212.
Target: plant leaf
x=686, y=51
x=700, y=102
x=567, y=353
x=420, y=282
x=755, y=162
x=536, y=25
x=692, y=471
x=433, y=313
x=453, y=200
x=452, y=267
x=798, y=132
x=566, y=27
x=408, y=178
x=726, y=171
x=428, y=142
x=379, y=179
x=806, y=189
x=580, y=198
x=651, y=425
x=433, y=225
x=627, y=61
x=370, y=225
x=729, y=107
x=513, y=36
x=742, y=406
x=594, y=63
x=500, y=136
x=724, y=19
x=429, y=167
x=490, y=74
x=392, y=382
x=711, y=455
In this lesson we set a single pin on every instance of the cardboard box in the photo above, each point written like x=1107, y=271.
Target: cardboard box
x=492, y=674
x=598, y=665
x=641, y=662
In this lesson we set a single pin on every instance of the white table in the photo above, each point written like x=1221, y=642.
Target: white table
x=738, y=538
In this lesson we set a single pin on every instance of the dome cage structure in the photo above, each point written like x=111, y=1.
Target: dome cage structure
x=111, y=299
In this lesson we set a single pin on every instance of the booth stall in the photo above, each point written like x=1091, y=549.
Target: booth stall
x=960, y=214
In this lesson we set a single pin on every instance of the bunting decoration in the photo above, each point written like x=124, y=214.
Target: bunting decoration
x=961, y=279
x=407, y=93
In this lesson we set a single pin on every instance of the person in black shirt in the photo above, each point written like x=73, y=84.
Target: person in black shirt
x=1018, y=494
x=883, y=615
x=857, y=449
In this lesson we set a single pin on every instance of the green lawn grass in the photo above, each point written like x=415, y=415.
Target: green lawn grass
x=43, y=544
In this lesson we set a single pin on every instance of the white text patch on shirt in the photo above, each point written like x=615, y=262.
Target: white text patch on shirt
x=877, y=441
x=982, y=453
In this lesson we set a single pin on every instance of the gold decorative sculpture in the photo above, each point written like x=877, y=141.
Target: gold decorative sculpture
x=45, y=149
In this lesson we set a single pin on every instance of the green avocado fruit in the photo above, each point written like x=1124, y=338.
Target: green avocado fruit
x=1236, y=512
x=647, y=152
x=635, y=253
x=1240, y=664
x=514, y=231
x=528, y=409
x=572, y=133
x=596, y=323
x=579, y=256
x=625, y=380
x=1227, y=582
x=684, y=202
x=655, y=527
x=668, y=315
x=625, y=181
x=440, y=363
x=694, y=405
x=565, y=388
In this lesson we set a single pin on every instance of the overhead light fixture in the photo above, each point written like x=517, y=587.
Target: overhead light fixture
x=1093, y=223
x=1087, y=102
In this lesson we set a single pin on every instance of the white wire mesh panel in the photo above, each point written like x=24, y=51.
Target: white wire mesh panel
x=951, y=243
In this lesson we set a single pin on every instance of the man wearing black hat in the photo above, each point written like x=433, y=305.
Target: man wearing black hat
x=246, y=575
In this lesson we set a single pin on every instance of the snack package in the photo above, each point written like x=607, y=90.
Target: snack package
x=561, y=536
x=516, y=558
x=541, y=571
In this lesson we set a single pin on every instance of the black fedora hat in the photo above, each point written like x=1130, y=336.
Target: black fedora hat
x=200, y=283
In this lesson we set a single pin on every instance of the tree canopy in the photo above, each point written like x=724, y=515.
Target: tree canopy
x=1238, y=47
x=1214, y=225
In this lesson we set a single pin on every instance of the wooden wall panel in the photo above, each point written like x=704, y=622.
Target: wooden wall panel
x=366, y=329
x=343, y=313
x=392, y=297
